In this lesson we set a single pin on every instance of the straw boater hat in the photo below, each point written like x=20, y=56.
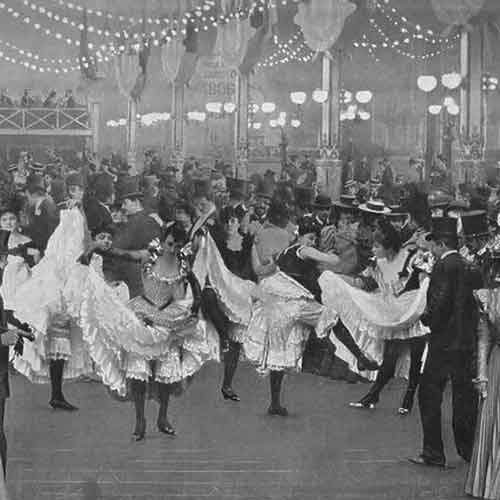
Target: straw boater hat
x=376, y=207
x=397, y=212
x=347, y=202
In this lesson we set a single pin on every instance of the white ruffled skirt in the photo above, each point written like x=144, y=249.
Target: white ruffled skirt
x=283, y=315
x=373, y=317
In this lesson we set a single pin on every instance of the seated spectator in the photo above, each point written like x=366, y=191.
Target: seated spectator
x=5, y=100
x=51, y=100
x=27, y=100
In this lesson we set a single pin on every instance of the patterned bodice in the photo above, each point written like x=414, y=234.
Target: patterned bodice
x=387, y=274
x=161, y=290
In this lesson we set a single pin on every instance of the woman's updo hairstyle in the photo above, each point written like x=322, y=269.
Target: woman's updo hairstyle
x=309, y=225
x=387, y=236
x=177, y=231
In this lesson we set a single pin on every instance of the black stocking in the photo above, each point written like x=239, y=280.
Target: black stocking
x=417, y=347
x=276, y=380
x=343, y=334
x=211, y=310
x=164, y=390
x=56, y=370
x=386, y=372
x=139, y=394
x=3, y=439
x=231, y=359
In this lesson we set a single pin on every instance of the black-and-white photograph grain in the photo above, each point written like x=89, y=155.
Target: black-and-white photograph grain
x=249, y=249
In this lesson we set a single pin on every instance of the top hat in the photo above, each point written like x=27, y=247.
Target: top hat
x=58, y=191
x=347, y=202
x=303, y=197
x=322, y=202
x=35, y=183
x=201, y=188
x=377, y=207
x=457, y=207
x=75, y=179
x=444, y=226
x=130, y=188
x=438, y=199
x=265, y=190
x=475, y=224
x=236, y=187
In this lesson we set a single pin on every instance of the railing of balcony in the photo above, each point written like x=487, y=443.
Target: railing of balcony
x=44, y=119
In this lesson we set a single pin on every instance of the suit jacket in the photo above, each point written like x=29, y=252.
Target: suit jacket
x=42, y=223
x=136, y=234
x=97, y=214
x=451, y=312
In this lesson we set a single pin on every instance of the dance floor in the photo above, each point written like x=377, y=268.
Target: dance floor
x=223, y=450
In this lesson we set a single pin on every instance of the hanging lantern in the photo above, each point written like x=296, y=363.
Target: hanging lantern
x=267, y=107
x=451, y=80
x=322, y=21
x=364, y=96
x=427, y=83
x=456, y=12
x=298, y=98
x=435, y=109
x=453, y=110
x=320, y=96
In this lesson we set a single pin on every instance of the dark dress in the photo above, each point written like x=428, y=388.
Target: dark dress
x=303, y=271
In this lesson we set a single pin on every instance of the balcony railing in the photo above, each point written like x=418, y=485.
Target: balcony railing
x=45, y=121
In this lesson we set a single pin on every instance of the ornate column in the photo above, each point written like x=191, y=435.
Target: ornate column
x=241, y=126
x=132, y=132
x=329, y=166
x=469, y=167
x=94, y=107
x=178, y=127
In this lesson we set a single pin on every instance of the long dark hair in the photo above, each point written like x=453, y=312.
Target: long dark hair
x=178, y=233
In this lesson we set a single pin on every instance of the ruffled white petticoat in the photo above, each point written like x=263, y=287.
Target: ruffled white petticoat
x=372, y=318
x=282, y=317
x=37, y=298
x=234, y=294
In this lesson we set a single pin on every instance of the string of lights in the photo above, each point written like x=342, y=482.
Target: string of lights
x=292, y=50
x=401, y=46
x=30, y=65
x=398, y=20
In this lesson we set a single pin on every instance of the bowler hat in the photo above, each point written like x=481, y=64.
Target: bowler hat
x=322, y=202
x=265, y=190
x=75, y=179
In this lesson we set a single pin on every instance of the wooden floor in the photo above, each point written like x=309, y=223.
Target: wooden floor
x=324, y=450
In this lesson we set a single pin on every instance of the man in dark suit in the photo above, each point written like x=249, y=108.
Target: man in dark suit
x=139, y=230
x=43, y=216
x=452, y=316
x=97, y=206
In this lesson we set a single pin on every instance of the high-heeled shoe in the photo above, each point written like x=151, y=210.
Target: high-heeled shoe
x=229, y=394
x=62, y=404
x=166, y=428
x=407, y=403
x=368, y=402
x=140, y=431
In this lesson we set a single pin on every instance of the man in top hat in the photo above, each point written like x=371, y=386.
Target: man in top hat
x=452, y=315
x=98, y=206
x=303, y=199
x=237, y=189
x=475, y=233
x=43, y=216
x=5, y=100
x=136, y=234
x=322, y=209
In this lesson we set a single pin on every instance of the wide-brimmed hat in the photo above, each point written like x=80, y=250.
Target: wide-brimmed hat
x=377, y=207
x=475, y=224
x=459, y=207
x=439, y=199
x=130, y=187
x=347, y=202
x=444, y=226
x=322, y=202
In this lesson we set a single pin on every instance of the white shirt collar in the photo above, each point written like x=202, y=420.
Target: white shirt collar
x=38, y=206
